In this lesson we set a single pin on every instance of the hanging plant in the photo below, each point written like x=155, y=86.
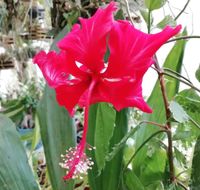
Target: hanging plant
x=6, y=61
x=7, y=40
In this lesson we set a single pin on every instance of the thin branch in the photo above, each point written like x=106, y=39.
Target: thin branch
x=187, y=3
x=186, y=72
x=141, y=146
x=128, y=11
x=178, y=78
x=169, y=6
x=183, y=81
x=154, y=123
x=182, y=38
x=195, y=123
x=178, y=74
x=181, y=185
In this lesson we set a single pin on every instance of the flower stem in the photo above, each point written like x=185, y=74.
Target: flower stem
x=168, y=124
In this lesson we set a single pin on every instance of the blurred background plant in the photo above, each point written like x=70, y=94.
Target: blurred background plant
x=29, y=113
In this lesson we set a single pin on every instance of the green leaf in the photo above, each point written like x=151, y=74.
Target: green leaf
x=190, y=101
x=195, y=176
x=105, y=123
x=179, y=156
x=129, y=150
x=157, y=185
x=181, y=135
x=58, y=134
x=132, y=181
x=94, y=181
x=110, y=176
x=57, y=131
x=36, y=134
x=174, y=62
x=178, y=112
x=15, y=172
x=117, y=147
x=197, y=74
x=167, y=21
x=14, y=112
x=154, y=4
x=113, y=174
x=154, y=167
x=145, y=15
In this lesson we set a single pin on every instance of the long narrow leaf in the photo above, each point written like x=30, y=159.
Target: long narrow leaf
x=105, y=123
x=110, y=177
x=57, y=132
x=15, y=172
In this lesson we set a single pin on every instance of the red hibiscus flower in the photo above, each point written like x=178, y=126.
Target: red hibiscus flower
x=81, y=76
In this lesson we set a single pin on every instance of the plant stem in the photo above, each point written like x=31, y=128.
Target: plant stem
x=183, y=38
x=187, y=3
x=168, y=124
x=170, y=156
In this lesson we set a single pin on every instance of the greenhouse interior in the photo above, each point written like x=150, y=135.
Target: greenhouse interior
x=99, y=95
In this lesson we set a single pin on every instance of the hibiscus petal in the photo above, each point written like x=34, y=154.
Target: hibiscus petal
x=53, y=67
x=121, y=93
x=73, y=68
x=155, y=41
x=126, y=93
x=87, y=44
x=137, y=102
x=133, y=48
x=69, y=95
